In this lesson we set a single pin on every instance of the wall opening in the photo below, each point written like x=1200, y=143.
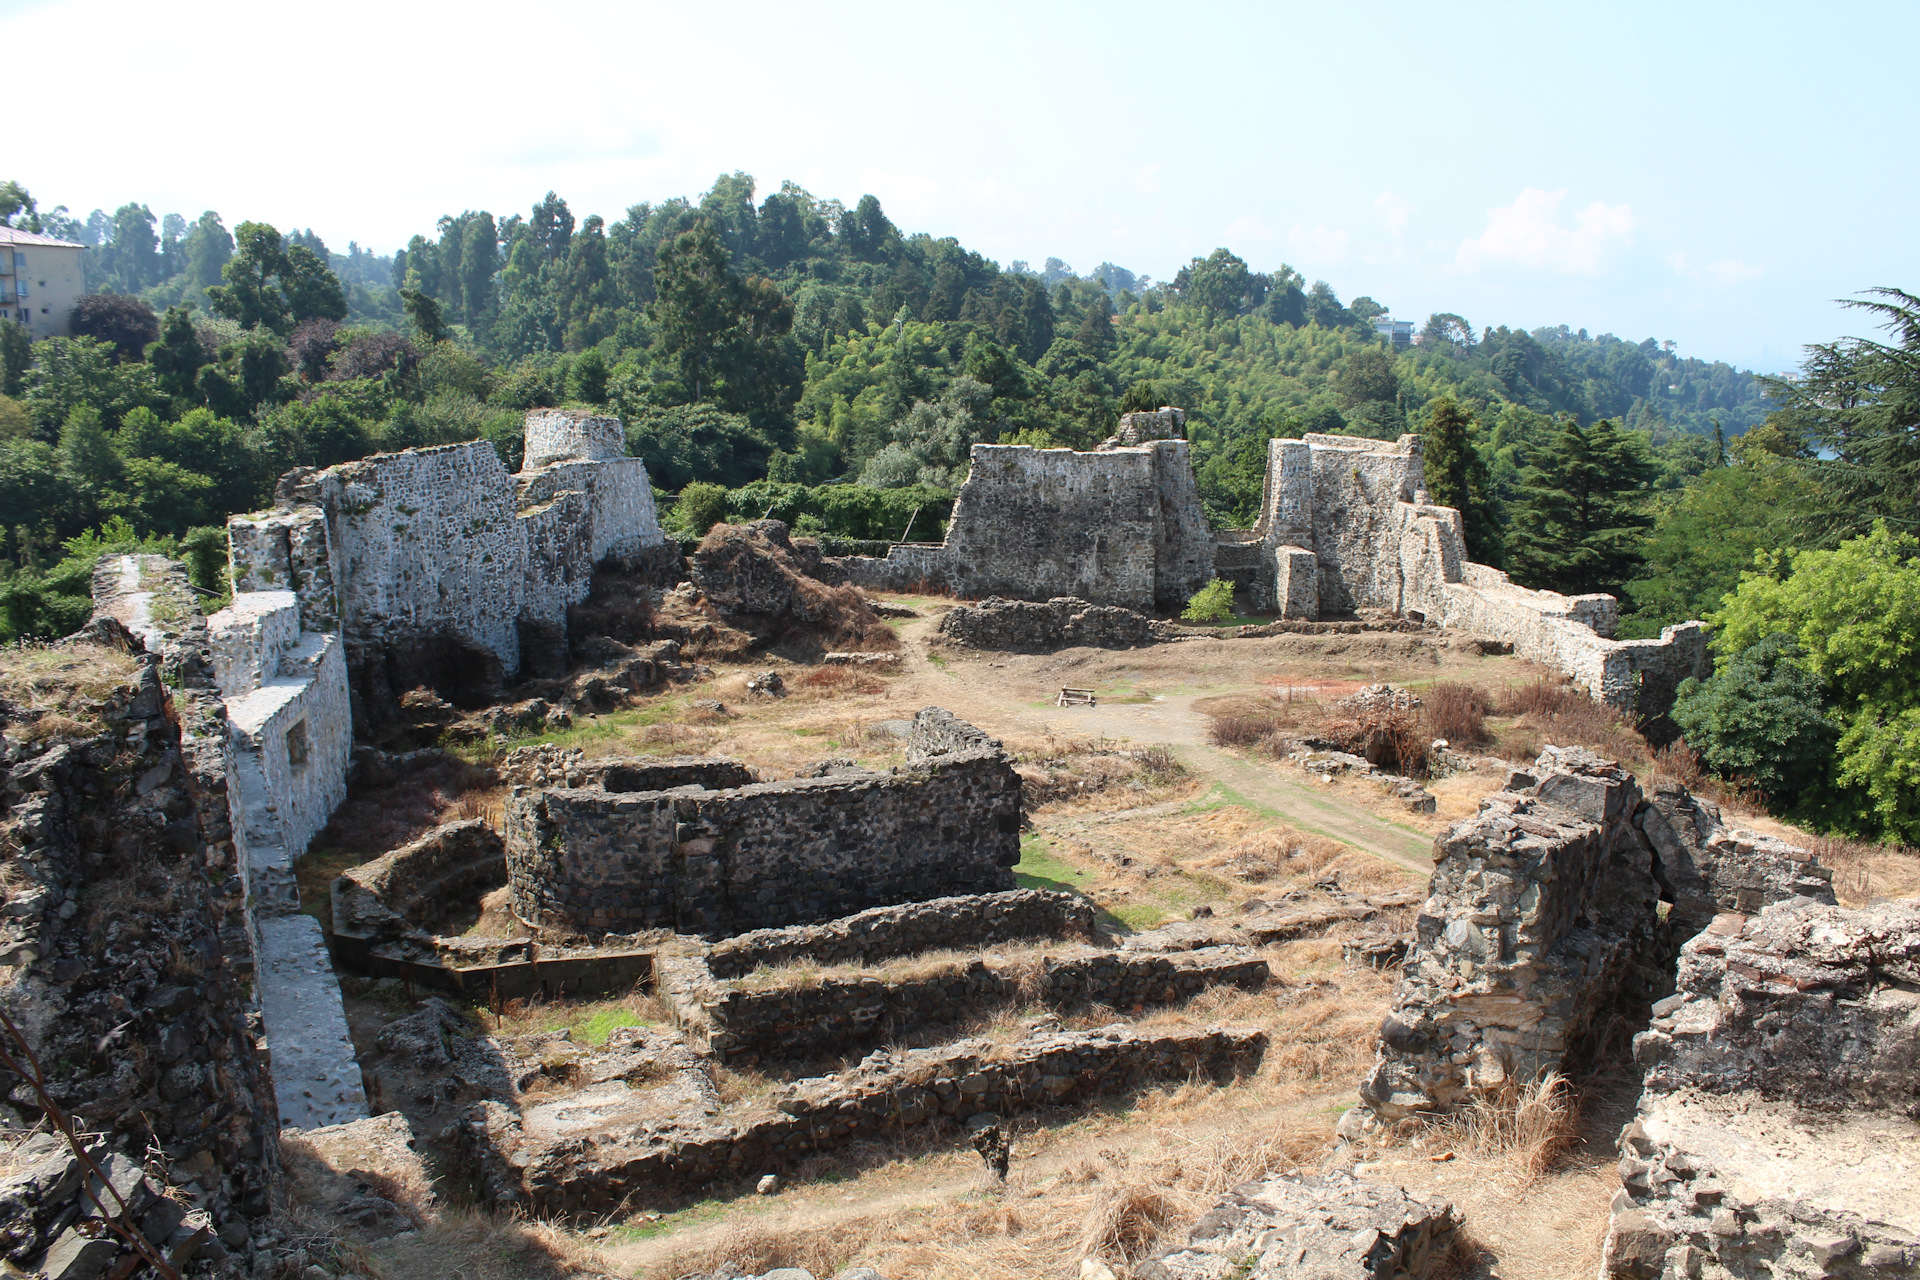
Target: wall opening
x=297, y=750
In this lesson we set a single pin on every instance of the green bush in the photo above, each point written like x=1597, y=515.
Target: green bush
x=1211, y=603
x=1761, y=720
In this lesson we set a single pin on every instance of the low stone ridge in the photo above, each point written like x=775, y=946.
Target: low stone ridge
x=1543, y=916
x=882, y=933
x=777, y=588
x=805, y=1016
x=1329, y=1227
x=1024, y=626
x=567, y=1159
x=417, y=885
x=1779, y=1133
x=771, y=854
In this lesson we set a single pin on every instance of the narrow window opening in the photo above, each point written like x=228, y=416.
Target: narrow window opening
x=297, y=745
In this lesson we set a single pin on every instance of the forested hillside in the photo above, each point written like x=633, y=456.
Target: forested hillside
x=796, y=356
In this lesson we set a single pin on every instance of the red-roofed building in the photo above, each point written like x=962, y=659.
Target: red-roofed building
x=40, y=280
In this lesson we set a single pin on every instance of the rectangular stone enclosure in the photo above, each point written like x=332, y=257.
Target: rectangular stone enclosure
x=769, y=854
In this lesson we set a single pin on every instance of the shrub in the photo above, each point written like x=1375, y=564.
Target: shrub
x=1211, y=603
x=1760, y=719
x=1242, y=730
x=1457, y=712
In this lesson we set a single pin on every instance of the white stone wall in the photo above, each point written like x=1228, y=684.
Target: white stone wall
x=290, y=739
x=553, y=435
x=444, y=540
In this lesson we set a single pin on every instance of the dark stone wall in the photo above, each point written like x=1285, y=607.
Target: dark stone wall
x=769, y=854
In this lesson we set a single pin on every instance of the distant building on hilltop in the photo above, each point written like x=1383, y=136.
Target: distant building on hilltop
x=40, y=280
x=1399, y=332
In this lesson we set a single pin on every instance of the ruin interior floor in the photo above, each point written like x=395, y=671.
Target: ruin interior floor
x=1148, y=848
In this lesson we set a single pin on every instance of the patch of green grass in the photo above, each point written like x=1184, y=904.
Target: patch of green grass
x=704, y=1211
x=938, y=660
x=603, y=1023
x=615, y=724
x=1138, y=916
x=1039, y=869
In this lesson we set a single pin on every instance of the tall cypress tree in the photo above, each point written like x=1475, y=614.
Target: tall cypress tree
x=1581, y=519
x=1457, y=477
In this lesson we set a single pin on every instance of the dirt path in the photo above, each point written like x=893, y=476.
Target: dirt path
x=1173, y=720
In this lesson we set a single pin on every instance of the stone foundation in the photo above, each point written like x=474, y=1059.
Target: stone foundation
x=592, y=1155
x=803, y=1017
x=716, y=862
x=1779, y=1133
x=883, y=933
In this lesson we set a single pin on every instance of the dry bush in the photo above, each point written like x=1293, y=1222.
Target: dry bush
x=1558, y=712
x=1526, y=1129
x=1244, y=729
x=1125, y=1221
x=1681, y=763
x=377, y=820
x=1391, y=737
x=1864, y=872
x=834, y=682
x=1457, y=712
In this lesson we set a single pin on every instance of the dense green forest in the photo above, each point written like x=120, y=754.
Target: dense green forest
x=801, y=357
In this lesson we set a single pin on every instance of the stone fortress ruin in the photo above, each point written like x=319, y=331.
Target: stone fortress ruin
x=795, y=920
x=1346, y=527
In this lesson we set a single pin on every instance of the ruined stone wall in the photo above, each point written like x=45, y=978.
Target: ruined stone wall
x=768, y=854
x=799, y=1017
x=419, y=884
x=1164, y=423
x=883, y=933
x=123, y=980
x=1024, y=626
x=1779, y=1131
x=1345, y=524
x=524, y=1160
x=429, y=559
x=1118, y=526
x=1544, y=917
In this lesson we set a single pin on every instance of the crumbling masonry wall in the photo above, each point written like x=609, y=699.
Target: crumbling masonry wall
x=769, y=854
x=1120, y=526
x=437, y=567
x=1346, y=524
x=1544, y=915
x=1779, y=1131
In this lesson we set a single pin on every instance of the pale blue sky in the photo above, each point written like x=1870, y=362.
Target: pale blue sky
x=1714, y=174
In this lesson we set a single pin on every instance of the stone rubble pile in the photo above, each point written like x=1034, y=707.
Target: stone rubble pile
x=1544, y=916
x=1381, y=699
x=1779, y=1133
x=1329, y=1227
x=1023, y=626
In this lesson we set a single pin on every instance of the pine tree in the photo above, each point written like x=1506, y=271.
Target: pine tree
x=1457, y=477
x=1581, y=519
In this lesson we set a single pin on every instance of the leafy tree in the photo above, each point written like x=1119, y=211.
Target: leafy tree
x=128, y=323
x=16, y=355
x=1854, y=611
x=1706, y=535
x=1578, y=522
x=696, y=304
x=1858, y=402
x=269, y=285
x=1457, y=477
x=423, y=309
x=71, y=372
x=1367, y=376
x=1760, y=720
x=207, y=249
x=1220, y=283
x=699, y=507
x=1211, y=603
x=177, y=356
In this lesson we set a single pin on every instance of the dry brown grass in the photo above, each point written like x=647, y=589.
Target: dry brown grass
x=1555, y=711
x=1457, y=712
x=1864, y=873
x=52, y=693
x=1526, y=1130
x=473, y=1245
x=821, y=683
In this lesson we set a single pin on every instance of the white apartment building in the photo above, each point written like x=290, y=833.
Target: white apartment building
x=40, y=280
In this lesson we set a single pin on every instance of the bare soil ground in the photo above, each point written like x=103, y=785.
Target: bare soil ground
x=1133, y=806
